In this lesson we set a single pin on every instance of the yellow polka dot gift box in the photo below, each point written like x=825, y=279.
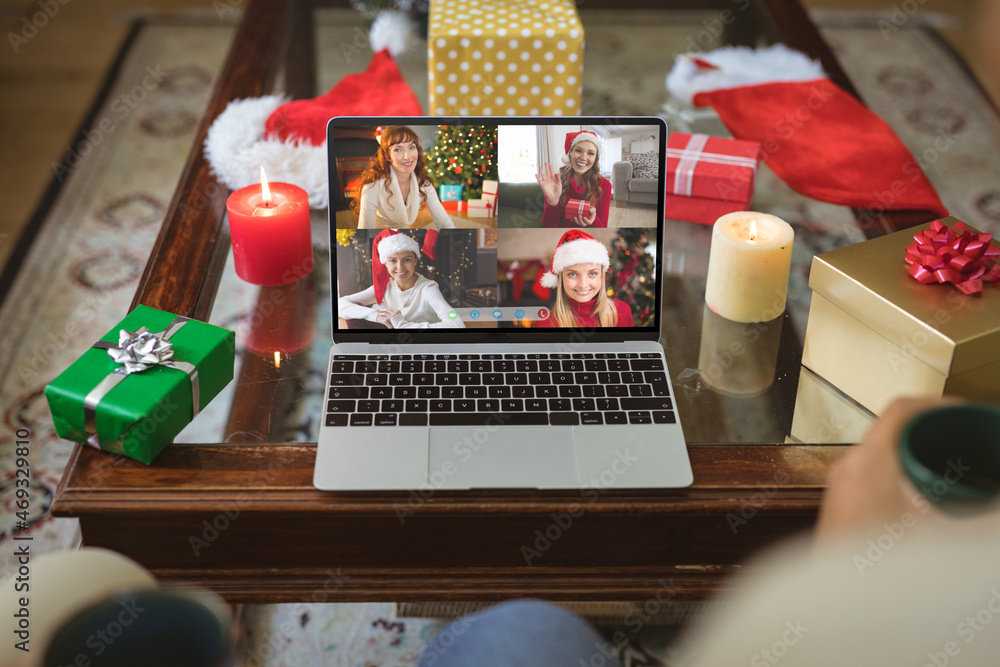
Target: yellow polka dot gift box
x=504, y=58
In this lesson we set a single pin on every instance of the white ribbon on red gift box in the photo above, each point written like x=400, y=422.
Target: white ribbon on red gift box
x=575, y=207
x=692, y=154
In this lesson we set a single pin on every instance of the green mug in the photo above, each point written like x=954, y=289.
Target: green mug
x=952, y=455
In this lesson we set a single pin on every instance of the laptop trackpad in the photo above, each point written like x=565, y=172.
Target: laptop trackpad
x=511, y=457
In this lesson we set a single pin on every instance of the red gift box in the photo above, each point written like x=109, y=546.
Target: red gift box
x=708, y=177
x=450, y=205
x=575, y=207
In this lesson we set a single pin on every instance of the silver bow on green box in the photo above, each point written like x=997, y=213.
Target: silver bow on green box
x=137, y=351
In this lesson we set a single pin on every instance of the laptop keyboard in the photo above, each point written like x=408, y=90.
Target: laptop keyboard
x=492, y=389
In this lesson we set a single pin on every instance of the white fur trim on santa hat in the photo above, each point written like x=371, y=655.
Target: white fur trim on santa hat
x=390, y=245
x=584, y=135
x=391, y=30
x=580, y=251
x=739, y=66
x=236, y=150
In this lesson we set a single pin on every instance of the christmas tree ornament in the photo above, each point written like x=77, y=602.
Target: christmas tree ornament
x=817, y=137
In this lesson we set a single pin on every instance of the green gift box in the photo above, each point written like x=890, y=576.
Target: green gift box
x=136, y=405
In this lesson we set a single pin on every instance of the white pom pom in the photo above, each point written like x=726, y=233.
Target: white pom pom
x=737, y=66
x=391, y=30
x=236, y=148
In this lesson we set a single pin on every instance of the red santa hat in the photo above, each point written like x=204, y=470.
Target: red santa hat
x=575, y=247
x=817, y=137
x=573, y=138
x=289, y=138
x=386, y=244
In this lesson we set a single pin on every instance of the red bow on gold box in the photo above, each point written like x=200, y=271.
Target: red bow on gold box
x=955, y=255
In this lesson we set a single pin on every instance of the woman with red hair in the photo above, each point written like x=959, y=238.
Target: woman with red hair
x=395, y=185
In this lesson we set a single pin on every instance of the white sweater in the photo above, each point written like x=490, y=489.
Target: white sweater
x=421, y=306
x=919, y=591
x=373, y=217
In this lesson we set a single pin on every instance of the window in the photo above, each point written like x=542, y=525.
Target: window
x=516, y=153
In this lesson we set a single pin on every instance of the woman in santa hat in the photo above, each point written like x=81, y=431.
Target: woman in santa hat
x=395, y=185
x=576, y=195
x=399, y=298
x=579, y=266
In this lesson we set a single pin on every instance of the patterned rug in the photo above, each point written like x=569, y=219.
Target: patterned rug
x=87, y=257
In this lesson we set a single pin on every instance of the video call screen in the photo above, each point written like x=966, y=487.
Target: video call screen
x=516, y=225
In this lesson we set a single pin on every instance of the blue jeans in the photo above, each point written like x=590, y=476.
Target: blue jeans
x=521, y=633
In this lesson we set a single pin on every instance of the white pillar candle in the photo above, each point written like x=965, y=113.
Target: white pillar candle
x=748, y=266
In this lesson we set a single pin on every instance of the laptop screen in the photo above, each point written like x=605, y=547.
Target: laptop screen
x=487, y=228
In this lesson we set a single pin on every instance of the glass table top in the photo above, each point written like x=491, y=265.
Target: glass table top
x=734, y=383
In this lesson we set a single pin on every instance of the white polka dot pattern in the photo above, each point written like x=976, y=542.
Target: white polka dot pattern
x=473, y=44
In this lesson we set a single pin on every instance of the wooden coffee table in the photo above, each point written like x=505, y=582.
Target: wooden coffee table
x=245, y=520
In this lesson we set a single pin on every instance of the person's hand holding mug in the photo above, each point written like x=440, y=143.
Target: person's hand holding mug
x=868, y=486
x=922, y=456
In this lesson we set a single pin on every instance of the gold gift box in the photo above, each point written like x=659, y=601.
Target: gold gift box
x=877, y=334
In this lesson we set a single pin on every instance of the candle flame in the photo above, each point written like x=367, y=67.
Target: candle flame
x=753, y=230
x=264, y=190
x=277, y=359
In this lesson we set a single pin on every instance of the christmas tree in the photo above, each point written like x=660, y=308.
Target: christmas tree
x=632, y=268
x=465, y=154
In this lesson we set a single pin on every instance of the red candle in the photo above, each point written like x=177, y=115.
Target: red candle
x=269, y=226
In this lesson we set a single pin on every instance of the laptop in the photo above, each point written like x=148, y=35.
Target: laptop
x=482, y=338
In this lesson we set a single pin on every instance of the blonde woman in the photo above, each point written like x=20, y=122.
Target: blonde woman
x=579, y=266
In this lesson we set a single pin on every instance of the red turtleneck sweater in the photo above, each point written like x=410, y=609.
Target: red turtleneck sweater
x=585, y=317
